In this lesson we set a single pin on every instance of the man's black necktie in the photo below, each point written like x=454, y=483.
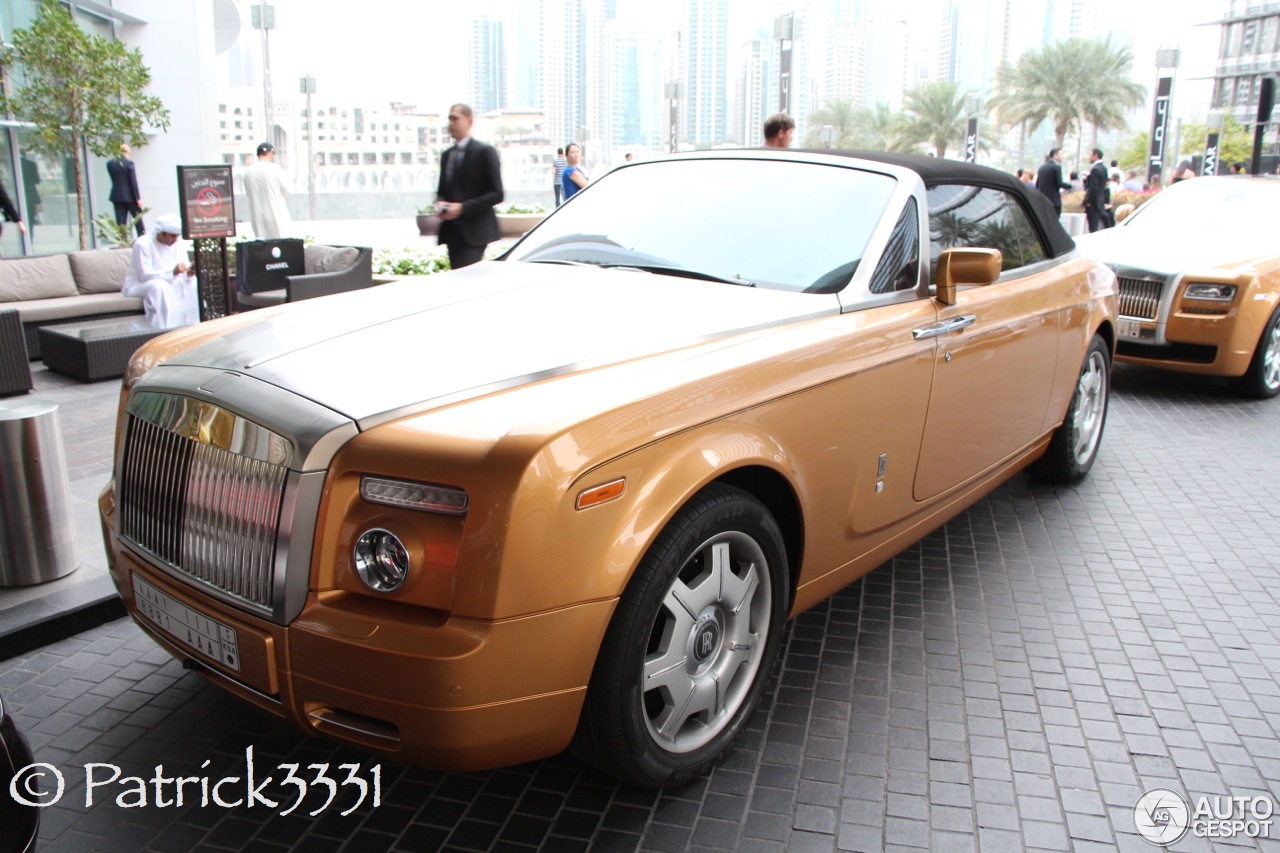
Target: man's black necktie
x=455, y=163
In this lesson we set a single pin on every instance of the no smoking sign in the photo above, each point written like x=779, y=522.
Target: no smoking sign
x=208, y=201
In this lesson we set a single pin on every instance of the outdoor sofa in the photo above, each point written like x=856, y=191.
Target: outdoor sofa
x=66, y=288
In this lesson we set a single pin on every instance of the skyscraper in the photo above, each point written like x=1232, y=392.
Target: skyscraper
x=705, y=67
x=560, y=69
x=487, y=80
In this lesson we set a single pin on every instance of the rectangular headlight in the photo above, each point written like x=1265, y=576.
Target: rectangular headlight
x=1214, y=292
x=426, y=497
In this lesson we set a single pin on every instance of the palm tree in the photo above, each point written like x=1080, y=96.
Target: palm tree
x=883, y=130
x=873, y=129
x=1108, y=93
x=843, y=119
x=934, y=113
x=1068, y=82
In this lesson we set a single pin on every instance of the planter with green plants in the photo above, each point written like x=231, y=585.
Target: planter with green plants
x=428, y=221
x=516, y=219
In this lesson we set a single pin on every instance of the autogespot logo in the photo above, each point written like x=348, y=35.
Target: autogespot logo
x=1162, y=816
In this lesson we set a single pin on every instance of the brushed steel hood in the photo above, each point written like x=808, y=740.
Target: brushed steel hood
x=408, y=346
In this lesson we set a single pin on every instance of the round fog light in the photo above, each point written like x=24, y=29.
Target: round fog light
x=381, y=560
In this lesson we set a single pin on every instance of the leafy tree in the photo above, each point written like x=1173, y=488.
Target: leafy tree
x=934, y=113
x=1235, y=145
x=79, y=90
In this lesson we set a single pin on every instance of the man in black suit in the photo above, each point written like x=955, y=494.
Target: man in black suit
x=1096, y=194
x=1049, y=179
x=470, y=186
x=124, y=189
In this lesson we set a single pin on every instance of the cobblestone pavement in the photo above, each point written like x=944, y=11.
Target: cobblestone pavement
x=1015, y=681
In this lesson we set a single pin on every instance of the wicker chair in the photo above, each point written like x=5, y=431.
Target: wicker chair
x=329, y=270
x=15, y=373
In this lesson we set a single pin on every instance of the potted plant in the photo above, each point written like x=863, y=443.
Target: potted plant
x=515, y=219
x=428, y=222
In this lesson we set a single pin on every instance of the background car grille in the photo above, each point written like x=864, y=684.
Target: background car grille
x=1140, y=298
x=207, y=512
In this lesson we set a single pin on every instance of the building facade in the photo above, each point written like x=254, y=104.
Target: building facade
x=1249, y=49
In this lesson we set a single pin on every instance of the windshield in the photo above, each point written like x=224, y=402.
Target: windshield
x=1228, y=211
x=786, y=225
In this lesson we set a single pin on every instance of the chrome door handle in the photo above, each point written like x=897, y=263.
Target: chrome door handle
x=951, y=324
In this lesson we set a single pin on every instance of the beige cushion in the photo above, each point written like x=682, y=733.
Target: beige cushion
x=83, y=305
x=100, y=271
x=35, y=278
x=319, y=258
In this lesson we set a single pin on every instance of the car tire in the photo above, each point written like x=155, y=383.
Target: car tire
x=1262, y=379
x=691, y=644
x=1075, y=443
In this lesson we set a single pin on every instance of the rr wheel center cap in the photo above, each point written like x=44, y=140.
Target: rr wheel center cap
x=706, y=638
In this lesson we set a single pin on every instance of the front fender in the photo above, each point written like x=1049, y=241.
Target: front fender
x=556, y=554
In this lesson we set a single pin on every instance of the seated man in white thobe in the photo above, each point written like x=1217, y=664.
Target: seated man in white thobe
x=159, y=276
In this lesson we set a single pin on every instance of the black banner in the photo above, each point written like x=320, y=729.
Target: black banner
x=971, y=141
x=1211, y=155
x=1159, y=128
x=208, y=202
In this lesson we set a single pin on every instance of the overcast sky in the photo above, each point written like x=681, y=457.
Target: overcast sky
x=415, y=51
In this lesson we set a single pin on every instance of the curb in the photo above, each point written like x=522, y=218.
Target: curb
x=57, y=616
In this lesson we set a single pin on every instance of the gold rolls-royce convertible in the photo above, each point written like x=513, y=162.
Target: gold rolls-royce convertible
x=570, y=496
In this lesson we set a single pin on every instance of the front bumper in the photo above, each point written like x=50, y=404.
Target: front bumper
x=1215, y=345
x=412, y=684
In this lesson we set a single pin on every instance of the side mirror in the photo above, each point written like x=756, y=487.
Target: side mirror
x=965, y=266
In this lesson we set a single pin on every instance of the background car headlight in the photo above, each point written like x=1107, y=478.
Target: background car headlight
x=1216, y=292
x=381, y=560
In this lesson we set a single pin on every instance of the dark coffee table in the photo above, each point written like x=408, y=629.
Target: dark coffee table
x=95, y=349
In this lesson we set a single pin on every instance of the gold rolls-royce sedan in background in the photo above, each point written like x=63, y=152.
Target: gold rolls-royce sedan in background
x=572, y=495
x=1199, y=280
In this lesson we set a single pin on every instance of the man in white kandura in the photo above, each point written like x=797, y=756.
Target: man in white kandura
x=265, y=186
x=159, y=275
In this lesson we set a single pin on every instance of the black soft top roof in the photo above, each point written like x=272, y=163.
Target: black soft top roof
x=935, y=171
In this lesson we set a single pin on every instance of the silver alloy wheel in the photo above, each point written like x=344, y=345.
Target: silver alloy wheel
x=706, y=643
x=1091, y=408
x=1271, y=359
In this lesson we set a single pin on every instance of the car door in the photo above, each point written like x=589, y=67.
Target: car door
x=997, y=345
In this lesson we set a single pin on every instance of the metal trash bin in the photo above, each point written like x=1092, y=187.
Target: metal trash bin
x=37, y=531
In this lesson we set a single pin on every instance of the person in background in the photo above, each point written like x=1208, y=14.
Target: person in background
x=1049, y=179
x=10, y=212
x=1114, y=172
x=778, y=130
x=266, y=186
x=31, y=186
x=1132, y=184
x=1095, y=192
x=158, y=275
x=574, y=178
x=628, y=157
x=1182, y=172
x=470, y=187
x=125, y=196
x=557, y=174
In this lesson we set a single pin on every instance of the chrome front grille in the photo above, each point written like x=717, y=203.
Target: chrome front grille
x=1140, y=298
x=197, y=495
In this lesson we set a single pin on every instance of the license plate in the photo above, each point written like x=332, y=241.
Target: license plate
x=207, y=636
x=1129, y=328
